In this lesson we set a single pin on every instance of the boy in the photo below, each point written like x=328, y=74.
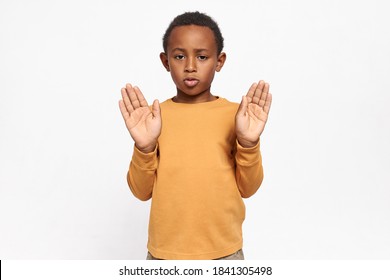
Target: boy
x=196, y=155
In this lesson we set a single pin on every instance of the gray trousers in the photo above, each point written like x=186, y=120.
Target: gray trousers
x=239, y=255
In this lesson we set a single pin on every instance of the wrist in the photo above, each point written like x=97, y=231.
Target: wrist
x=246, y=143
x=146, y=149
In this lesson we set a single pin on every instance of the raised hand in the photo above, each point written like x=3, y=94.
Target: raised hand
x=252, y=114
x=143, y=123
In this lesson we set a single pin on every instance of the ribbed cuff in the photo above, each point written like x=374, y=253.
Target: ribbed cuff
x=145, y=160
x=248, y=156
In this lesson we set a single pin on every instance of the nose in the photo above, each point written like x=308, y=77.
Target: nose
x=190, y=65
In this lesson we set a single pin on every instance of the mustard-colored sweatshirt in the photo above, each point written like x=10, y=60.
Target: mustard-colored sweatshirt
x=196, y=178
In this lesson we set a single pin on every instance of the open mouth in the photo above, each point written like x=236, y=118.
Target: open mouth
x=190, y=82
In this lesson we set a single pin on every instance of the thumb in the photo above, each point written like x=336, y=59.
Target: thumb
x=156, y=109
x=243, y=106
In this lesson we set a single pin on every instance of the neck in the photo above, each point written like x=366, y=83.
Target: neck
x=182, y=97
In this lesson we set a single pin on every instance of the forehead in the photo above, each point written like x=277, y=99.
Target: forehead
x=192, y=37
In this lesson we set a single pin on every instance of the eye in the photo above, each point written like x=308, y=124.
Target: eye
x=179, y=57
x=202, y=57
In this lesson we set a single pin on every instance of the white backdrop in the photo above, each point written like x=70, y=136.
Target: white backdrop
x=64, y=149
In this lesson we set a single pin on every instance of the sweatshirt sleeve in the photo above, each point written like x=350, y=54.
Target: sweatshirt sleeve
x=249, y=169
x=142, y=173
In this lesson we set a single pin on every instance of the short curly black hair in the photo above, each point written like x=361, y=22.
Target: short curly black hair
x=194, y=18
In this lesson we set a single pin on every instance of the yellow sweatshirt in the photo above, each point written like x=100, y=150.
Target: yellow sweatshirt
x=196, y=178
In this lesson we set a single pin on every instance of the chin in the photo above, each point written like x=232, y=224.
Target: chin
x=195, y=91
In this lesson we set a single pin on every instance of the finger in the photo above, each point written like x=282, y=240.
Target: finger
x=251, y=91
x=126, y=100
x=132, y=96
x=268, y=102
x=264, y=95
x=141, y=98
x=243, y=106
x=124, y=111
x=156, y=109
x=258, y=91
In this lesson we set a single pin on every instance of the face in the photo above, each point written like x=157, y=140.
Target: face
x=192, y=60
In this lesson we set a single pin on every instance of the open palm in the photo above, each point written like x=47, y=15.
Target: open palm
x=252, y=114
x=143, y=122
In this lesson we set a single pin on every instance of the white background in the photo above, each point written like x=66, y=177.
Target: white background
x=64, y=149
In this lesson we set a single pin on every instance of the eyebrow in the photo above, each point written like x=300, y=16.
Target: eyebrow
x=183, y=50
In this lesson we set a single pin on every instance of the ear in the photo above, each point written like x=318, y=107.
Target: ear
x=164, y=60
x=221, y=61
